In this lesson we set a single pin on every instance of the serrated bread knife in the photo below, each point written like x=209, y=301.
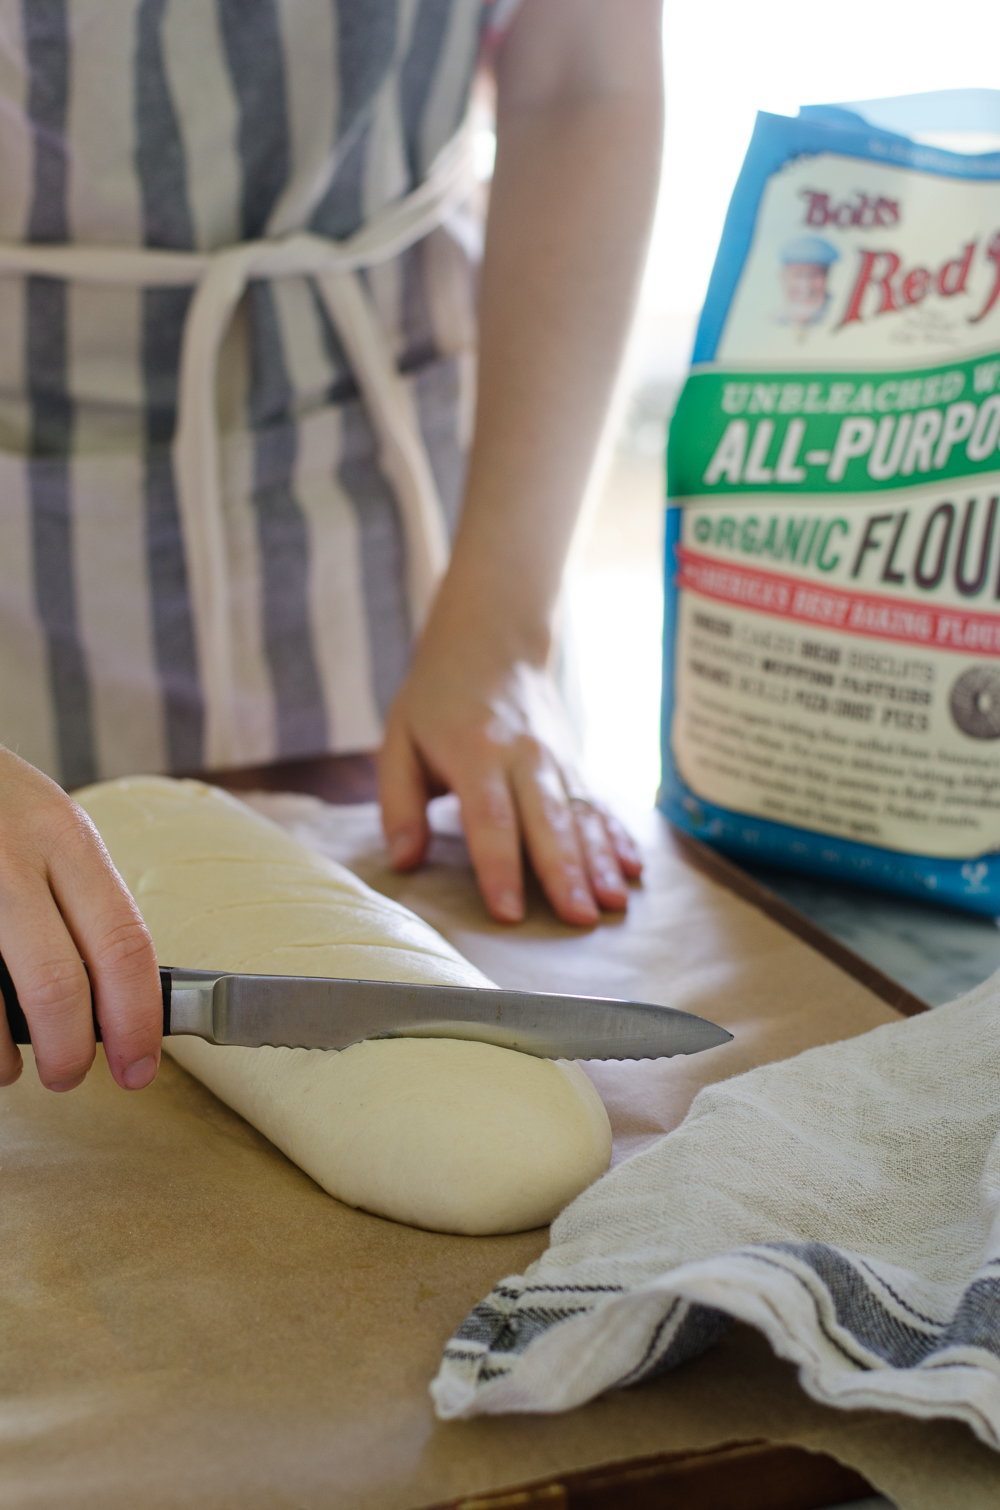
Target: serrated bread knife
x=306, y=1012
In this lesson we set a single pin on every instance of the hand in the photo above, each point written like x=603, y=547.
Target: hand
x=579, y=94
x=61, y=898
x=498, y=739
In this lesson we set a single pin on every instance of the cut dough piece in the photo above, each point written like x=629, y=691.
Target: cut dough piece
x=448, y=1135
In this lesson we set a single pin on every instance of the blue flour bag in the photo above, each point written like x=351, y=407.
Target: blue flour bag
x=832, y=630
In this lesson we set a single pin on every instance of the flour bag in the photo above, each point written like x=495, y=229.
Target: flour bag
x=832, y=628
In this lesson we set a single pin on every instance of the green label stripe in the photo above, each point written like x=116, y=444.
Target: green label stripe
x=833, y=432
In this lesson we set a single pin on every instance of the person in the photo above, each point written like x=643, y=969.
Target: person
x=185, y=257
x=805, y=269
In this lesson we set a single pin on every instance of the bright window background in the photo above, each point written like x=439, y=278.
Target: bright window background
x=724, y=62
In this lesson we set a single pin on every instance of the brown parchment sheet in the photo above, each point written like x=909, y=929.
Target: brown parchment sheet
x=187, y=1320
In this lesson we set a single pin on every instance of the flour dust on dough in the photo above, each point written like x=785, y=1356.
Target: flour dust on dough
x=448, y=1135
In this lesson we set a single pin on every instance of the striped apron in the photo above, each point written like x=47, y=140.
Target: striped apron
x=236, y=365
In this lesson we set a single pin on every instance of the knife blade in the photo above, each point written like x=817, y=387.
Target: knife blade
x=312, y=1012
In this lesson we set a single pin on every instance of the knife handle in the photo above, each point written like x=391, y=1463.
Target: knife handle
x=18, y=1023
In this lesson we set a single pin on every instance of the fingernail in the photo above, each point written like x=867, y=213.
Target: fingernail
x=67, y=1085
x=581, y=898
x=400, y=849
x=510, y=906
x=138, y=1075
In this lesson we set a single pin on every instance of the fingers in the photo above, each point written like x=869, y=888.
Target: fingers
x=403, y=795
x=600, y=855
x=51, y=982
x=571, y=842
x=624, y=845
x=489, y=819
x=552, y=837
x=513, y=792
x=11, y=1063
x=108, y=931
x=73, y=940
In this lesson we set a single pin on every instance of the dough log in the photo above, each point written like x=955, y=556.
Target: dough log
x=451, y=1136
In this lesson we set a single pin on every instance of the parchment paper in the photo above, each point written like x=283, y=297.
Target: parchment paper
x=187, y=1320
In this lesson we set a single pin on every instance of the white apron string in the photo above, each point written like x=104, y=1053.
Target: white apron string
x=220, y=279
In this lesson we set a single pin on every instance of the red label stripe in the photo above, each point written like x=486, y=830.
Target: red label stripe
x=825, y=607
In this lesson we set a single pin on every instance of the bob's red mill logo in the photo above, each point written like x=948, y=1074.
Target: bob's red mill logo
x=883, y=282
x=862, y=210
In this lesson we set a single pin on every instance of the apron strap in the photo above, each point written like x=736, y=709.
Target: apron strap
x=220, y=279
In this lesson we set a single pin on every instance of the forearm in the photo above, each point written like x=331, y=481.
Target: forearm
x=578, y=146
x=572, y=199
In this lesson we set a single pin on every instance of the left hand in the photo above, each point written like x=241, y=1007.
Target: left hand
x=497, y=737
x=579, y=128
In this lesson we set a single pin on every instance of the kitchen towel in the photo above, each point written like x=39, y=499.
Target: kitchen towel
x=844, y=1202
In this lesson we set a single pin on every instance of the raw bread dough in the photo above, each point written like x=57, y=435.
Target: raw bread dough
x=448, y=1135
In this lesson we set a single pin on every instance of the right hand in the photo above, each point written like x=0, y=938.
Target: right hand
x=65, y=911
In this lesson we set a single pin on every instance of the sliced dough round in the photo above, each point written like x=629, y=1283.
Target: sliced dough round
x=448, y=1135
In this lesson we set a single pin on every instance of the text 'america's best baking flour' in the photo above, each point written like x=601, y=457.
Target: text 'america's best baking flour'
x=832, y=641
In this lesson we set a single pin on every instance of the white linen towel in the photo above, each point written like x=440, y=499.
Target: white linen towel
x=844, y=1202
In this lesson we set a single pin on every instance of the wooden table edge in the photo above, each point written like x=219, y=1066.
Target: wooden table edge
x=720, y=868
x=740, y=1475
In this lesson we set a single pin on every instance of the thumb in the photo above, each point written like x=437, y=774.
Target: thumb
x=403, y=795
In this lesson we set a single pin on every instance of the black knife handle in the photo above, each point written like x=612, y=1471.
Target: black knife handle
x=18, y=1023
